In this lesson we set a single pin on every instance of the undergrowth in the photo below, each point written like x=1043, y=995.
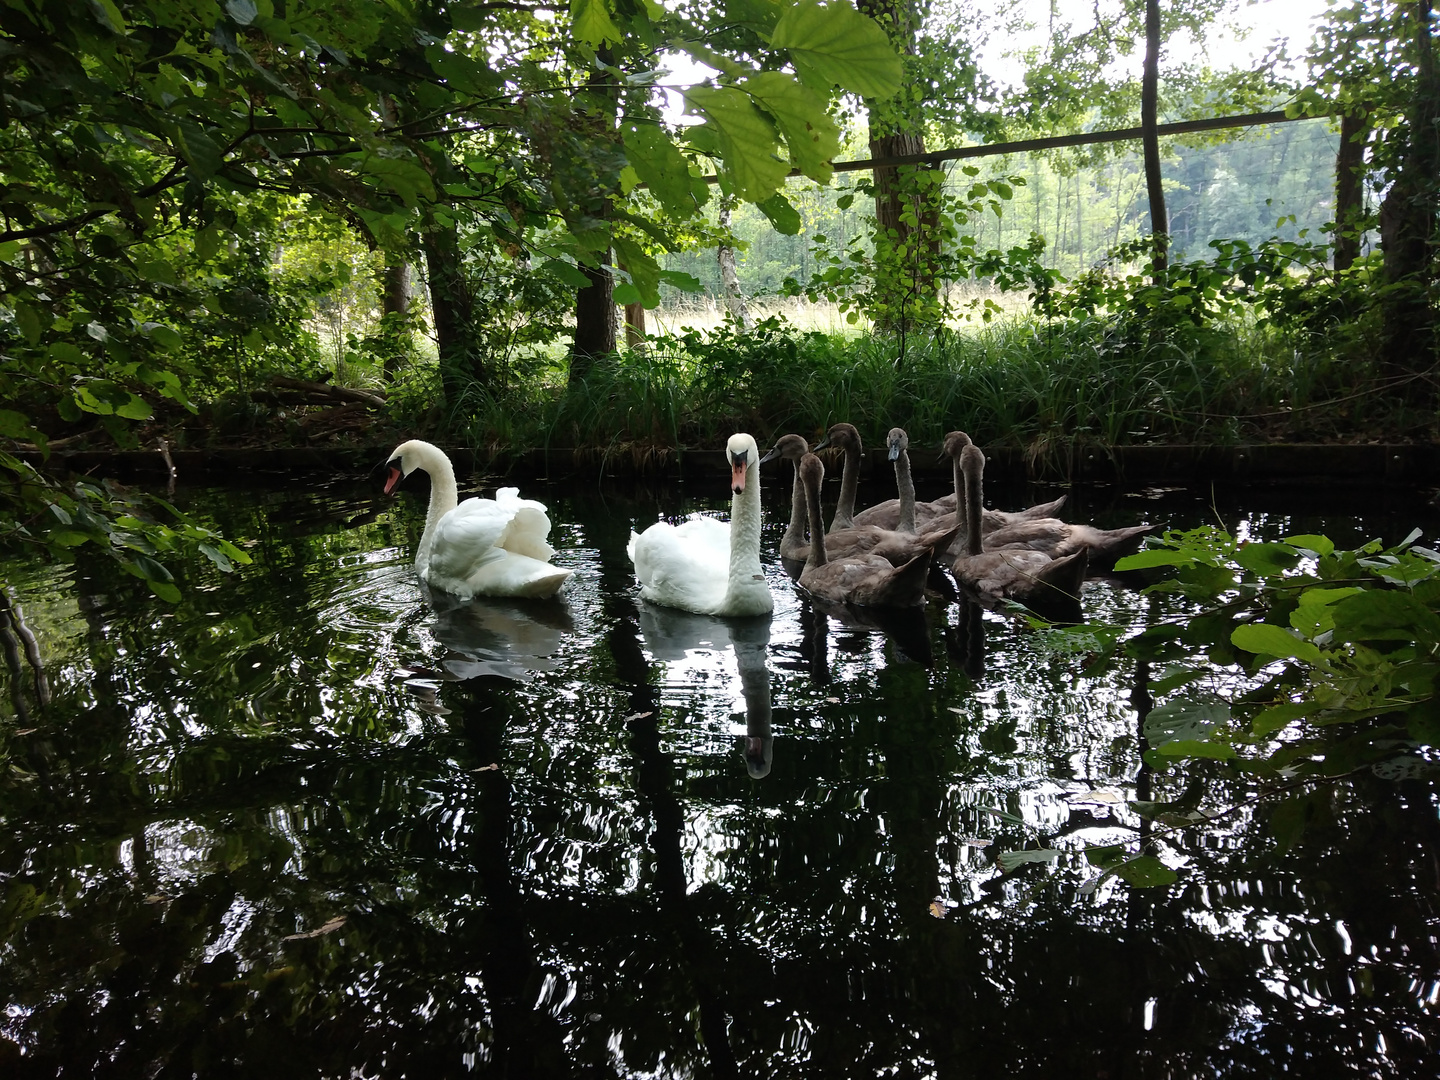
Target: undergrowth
x=1050, y=388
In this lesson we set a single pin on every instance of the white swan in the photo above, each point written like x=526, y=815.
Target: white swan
x=707, y=566
x=480, y=547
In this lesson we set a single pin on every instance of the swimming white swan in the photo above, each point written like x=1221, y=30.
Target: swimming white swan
x=479, y=547
x=707, y=566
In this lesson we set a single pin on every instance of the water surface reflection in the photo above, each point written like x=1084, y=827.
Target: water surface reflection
x=315, y=817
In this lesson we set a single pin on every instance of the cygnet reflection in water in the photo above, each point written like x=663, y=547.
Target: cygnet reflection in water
x=495, y=636
x=673, y=635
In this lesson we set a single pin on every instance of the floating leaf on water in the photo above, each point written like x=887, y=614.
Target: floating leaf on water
x=938, y=909
x=976, y=842
x=27, y=731
x=330, y=927
x=1097, y=797
x=157, y=898
x=833, y=700
x=638, y=716
x=1010, y=860
x=487, y=768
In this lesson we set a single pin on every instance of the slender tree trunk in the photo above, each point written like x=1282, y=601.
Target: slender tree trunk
x=729, y=279
x=395, y=301
x=1150, y=138
x=634, y=325
x=1408, y=220
x=1349, y=188
x=452, y=306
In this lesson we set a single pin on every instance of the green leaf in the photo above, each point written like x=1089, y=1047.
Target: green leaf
x=28, y=319
x=1271, y=720
x=1383, y=615
x=644, y=271
x=167, y=592
x=14, y=425
x=1146, y=871
x=781, y=213
x=199, y=150
x=660, y=164
x=834, y=45
x=242, y=11
x=812, y=137
x=1184, y=719
x=747, y=139
x=1320, y=545
x=592, y=23
x=1197, y=748
x=567, y=272
x=1287, y=821
x=1009, y=860
x=1268, y=640
x=136, y=408
x=1143, y=560
x=111, y=15
x=1267, y=558
x=207, y=243
x=680, y=280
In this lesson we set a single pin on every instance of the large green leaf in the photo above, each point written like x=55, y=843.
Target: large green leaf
x=1184, y=719
x=1383, y=615
x=834, y=45
x=747, y=139
x=1145, y=871
x=593, y=24
x=661, y=165
x=1267, y=639
x=644, y=271
x=781, y=213
x=811, y=135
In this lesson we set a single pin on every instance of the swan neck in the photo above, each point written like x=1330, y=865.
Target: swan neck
x=973, y=503
x=745, y=530
x=905, y=485
x=444, y=494
x=795, y=531
x=849, y=483
x=817, y=555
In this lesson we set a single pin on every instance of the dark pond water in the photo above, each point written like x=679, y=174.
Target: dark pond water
x=305, y=823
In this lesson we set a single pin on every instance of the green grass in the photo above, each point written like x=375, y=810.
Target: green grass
x=1048, y=388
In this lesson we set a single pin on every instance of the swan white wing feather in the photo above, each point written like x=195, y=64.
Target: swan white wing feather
x=526, y=531
x=685, y=566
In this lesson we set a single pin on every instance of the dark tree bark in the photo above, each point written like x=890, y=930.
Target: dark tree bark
x=1150, y=138
x=1349, y=188
x=594, y=321
x=595, y=329
x=395, y=301
x=452, y=306
x=1408, y=221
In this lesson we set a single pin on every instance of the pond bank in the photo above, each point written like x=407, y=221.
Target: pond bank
x=1298, y=463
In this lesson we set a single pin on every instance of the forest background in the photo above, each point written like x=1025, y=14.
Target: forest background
x=268, y=223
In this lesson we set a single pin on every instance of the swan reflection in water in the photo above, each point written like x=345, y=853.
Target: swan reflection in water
x=672, y=635
x=492, y=636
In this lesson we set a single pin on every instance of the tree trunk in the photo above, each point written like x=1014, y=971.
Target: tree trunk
x=634, y=325
x=1349, y=188
x=594, y=321
x=395, y=301
x=452, y=306
x=729, y=279
x=1150, y=138
x=1408, y=221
